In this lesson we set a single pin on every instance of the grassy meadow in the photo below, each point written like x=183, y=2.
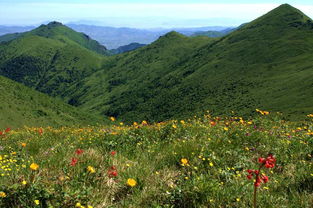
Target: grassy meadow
x=198, y=162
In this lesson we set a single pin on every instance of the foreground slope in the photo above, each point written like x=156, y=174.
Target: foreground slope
x=264, y=64
x=21, y=106
x=202, y=162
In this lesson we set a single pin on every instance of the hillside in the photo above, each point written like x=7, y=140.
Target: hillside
x=127, y=48
x=264, y=64
x=255, y=66
x=49, y=58
x=21, y=106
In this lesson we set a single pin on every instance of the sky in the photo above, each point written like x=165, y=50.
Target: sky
x=141, y=13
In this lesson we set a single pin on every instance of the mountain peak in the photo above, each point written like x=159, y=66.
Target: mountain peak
x=54, y=24
x=284, y=16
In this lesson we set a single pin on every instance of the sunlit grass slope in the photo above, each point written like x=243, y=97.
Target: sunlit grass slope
x=21, y=106
x=266, y=63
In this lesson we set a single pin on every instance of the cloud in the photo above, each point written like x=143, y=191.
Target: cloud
x=238, y=13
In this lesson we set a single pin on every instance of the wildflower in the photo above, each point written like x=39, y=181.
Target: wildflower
x=89, y=206
x=174, y=126
x=225, y=128
x=7, y=130
x=112, y=118
x=37, y=202
x=2, y=194
x=78, y=204
x=144, y=123
x=184, y=161
x=113, y=153
x=269, y=162
x=112, y=173
x=24, y=182
x=91, y=169
x=211, y=164
x=40, y=131
x=74, y=161
x=23, y=144
x=34, y=166
x=131, y=182
x=213, y=123
x=79, y=151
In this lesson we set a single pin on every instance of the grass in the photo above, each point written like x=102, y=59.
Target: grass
x=216, y=152
x=177, y=77
x=255, y=66
x=20, y=105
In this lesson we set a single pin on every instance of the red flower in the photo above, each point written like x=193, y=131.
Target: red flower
x=264, y=178
x=250, y=171
x=249, y=176
x=1, y=133
x=113, y=153
x=262, y=160
x=257, y=181
x=79, y=151
x=40, y=131
x=7, y=130
x=112, y=173
x=74, y=161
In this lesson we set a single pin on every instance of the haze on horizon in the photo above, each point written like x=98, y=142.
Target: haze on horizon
x=139, y=13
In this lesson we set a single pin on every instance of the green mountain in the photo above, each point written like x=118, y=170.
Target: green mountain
x=265, y=64
x=127, y=48
x=50, y=58
x=21, y=106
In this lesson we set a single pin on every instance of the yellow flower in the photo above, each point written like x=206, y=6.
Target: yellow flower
x=89, y=206
x=184, y=161
x=2, y=194
x=144, y=123
x=91, y=169
x=174, y=126
x=225, y=128
x=34, y=166
x=23, y=144
x=37, y=202
x=112, y=118
x=131, y=182
x=211, y=164
x=24, y=183
x=78, y=204
x=238, y=199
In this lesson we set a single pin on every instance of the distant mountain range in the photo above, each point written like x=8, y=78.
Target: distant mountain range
x=265, y=64
x=111, y=37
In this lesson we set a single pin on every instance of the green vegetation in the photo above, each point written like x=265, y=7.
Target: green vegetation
x=49, y=63
x=21, y=106
x=201, y=162
x=263, y=64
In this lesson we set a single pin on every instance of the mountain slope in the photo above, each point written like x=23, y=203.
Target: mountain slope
x=256, y=66
x=127, y=48
x=23, y=106
x=49, y=58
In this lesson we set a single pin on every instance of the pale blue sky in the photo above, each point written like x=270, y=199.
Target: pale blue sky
x=141, y=13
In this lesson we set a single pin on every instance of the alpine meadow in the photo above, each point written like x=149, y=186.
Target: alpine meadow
x=210, y=119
